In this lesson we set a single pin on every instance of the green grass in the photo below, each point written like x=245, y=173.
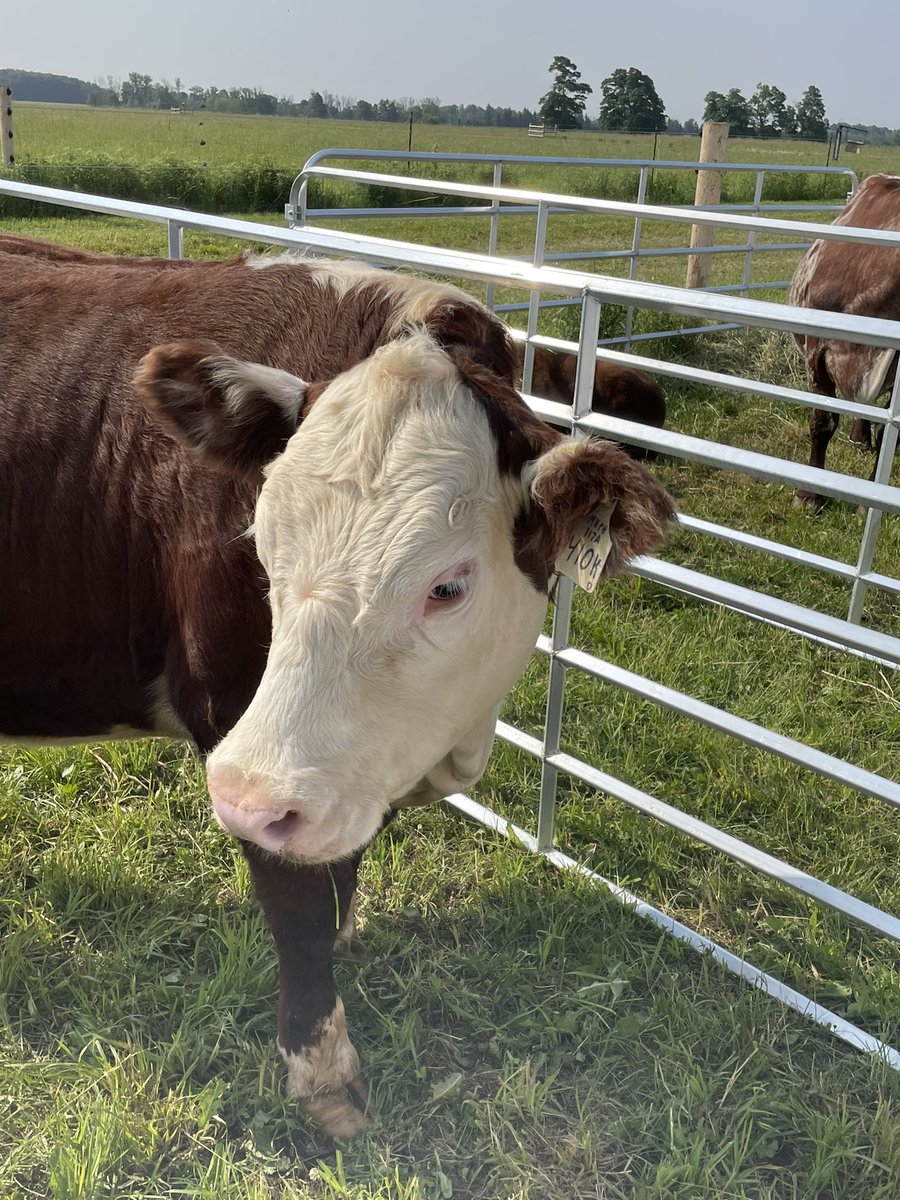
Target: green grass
x=524, y=1037
x=138, y=136
x=221, y=162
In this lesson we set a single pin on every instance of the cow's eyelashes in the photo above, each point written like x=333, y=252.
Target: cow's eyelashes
x=450, y=590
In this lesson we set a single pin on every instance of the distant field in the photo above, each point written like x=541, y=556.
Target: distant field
x=142, y=136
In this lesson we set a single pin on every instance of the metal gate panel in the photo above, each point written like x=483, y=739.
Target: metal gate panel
x=848, y=635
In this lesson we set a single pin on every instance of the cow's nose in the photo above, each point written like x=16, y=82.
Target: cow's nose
x=248, y=816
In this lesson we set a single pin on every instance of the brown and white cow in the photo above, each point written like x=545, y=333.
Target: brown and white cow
x=620, y=391
x=294, y=512
x=865, y=281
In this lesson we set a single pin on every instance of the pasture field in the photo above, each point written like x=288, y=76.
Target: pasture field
x=523, y=1036
x=141, y=135
x=222, y=163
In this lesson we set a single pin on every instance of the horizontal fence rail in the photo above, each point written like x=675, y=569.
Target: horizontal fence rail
x=533, y=204
x=878, y=496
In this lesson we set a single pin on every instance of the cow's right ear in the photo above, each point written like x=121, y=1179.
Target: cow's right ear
x=573, y=480
x=237, y=416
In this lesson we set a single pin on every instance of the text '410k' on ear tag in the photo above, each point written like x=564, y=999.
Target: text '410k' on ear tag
x=588, y=548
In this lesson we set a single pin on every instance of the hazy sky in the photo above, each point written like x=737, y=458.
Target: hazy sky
x=475, y=51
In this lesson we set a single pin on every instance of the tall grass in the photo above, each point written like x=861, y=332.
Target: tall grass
x=223, y=163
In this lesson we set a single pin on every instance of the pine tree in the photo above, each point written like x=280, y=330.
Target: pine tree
x=564, y=105
x=810, y=115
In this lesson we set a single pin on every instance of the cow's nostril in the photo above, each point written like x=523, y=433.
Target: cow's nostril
x=284, y=827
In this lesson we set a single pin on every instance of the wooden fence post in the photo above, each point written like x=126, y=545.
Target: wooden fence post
x=6, y=126
x=713, y=146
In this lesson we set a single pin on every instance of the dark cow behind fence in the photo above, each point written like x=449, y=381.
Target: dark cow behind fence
x=619, y=391
x=297, y=514
x=864, y=281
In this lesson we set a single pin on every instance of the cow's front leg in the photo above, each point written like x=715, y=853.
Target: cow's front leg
x=306, y=907
x=822, y=428
x=861, y=434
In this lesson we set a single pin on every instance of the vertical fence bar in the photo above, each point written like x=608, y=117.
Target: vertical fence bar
x=540, y=245
x=635, y=246
x=882, y=474
x=176, y=239
x=562, y=615
x=494, y=229
x=751, y=236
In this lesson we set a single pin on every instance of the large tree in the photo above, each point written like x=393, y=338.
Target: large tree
x=768, y=113
x=564, y=105
x=732, y=108
x=630, y=101
x=810, y=115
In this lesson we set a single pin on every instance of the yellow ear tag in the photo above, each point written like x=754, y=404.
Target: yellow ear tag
x=588, y=549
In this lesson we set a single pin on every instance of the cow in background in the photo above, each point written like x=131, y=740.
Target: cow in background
x=619, y=391
x=864, y=281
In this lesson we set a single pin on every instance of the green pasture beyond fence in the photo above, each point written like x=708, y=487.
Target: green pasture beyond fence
x=222, y=163
x=263, y=187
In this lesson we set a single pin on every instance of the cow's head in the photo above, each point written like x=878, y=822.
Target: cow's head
x=410, y=514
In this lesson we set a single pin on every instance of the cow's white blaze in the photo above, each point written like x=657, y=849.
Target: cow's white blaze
x=400, y=618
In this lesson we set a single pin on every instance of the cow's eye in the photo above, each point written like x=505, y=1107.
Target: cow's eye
x=446, y=593
x=450, y=589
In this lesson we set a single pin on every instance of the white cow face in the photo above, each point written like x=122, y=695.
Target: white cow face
x=407, y=560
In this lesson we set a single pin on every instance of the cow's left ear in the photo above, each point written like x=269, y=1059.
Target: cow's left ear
x=573, y=480
x=235, y=415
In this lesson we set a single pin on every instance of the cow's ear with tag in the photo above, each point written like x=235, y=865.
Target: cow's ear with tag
x=589, y=510
x=237, y=416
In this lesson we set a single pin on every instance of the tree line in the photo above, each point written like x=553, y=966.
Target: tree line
x=768, y=114
x=137, y=90
x=629, y=102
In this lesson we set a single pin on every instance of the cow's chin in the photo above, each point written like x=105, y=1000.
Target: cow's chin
x=332, y=841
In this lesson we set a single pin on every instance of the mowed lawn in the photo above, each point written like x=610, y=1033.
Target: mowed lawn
x=523, y=1036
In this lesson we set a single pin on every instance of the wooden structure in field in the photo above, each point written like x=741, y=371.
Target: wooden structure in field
x=6, y=125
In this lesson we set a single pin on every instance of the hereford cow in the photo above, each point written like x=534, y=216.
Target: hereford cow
x=296, y=513
x=620, y=391
x=864, y=280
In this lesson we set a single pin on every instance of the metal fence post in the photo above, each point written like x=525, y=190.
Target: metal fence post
x=751, y=236
x=534, y=297
x=635, y=247
x=176, y=239
x=882, y=474
x=496, y=180
x=562, y=615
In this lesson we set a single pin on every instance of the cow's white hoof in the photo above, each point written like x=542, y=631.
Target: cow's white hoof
x=324, y=1076
x=339, y=1111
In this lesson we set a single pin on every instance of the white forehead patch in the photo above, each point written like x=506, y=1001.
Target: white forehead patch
x=394, y=470
x=404, y=405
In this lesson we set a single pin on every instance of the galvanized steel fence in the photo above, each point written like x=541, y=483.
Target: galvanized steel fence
x=847, y=634
x=505, y=203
